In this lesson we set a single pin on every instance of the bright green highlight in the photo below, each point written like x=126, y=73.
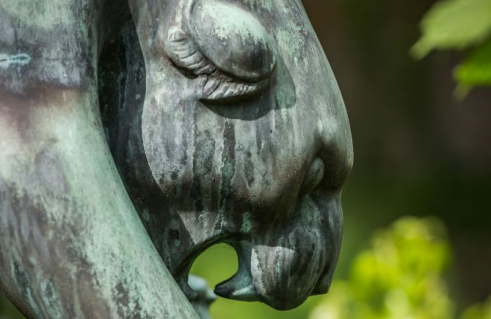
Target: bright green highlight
x=460, y=25
x=400, y=276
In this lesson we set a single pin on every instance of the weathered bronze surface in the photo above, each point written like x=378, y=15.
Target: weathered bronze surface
x=225, y=123
x=71, y=242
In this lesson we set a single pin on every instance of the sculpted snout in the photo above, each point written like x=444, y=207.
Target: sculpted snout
x=290, y=260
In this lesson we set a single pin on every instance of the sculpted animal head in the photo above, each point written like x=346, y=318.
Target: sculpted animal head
x=242, y=137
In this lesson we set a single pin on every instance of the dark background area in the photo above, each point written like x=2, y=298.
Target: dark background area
x=418, y=149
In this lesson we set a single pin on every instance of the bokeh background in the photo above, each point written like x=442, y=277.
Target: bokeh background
x=423, y=148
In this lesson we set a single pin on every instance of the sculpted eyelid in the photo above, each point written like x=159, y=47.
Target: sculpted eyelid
x=238, y=63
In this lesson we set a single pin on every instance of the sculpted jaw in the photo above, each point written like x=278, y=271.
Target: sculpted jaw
x=242, y=138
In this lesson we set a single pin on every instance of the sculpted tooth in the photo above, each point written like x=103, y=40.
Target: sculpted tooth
x=240, y=286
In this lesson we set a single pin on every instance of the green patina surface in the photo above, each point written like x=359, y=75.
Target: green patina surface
x=76, y=246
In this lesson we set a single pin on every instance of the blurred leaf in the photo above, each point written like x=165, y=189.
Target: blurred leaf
x=454, y=24
x=476, y=69
x=479, y=311
x=399, y=276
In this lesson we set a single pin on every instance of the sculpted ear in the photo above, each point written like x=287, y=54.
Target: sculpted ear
x=225, y=44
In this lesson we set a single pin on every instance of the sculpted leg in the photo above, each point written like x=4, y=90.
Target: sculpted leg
x=71, y=243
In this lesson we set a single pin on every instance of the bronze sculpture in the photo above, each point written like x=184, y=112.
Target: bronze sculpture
x=226, y=125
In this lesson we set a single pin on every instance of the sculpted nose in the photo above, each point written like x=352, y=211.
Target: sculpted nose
x=314, y=176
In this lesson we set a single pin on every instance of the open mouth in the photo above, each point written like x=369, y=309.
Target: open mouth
x=264, y=274
x=238, y=287
x=181, y=273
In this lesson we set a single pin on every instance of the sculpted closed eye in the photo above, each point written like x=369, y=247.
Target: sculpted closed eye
x=225, y=47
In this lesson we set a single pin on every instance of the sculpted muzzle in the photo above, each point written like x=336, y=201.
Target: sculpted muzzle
x=286, y=266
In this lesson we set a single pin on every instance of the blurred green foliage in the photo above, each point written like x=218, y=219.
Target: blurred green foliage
x=401, y=275
x=459, y=25
x=7, y=310
x=476, y=70
x=479, y=311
